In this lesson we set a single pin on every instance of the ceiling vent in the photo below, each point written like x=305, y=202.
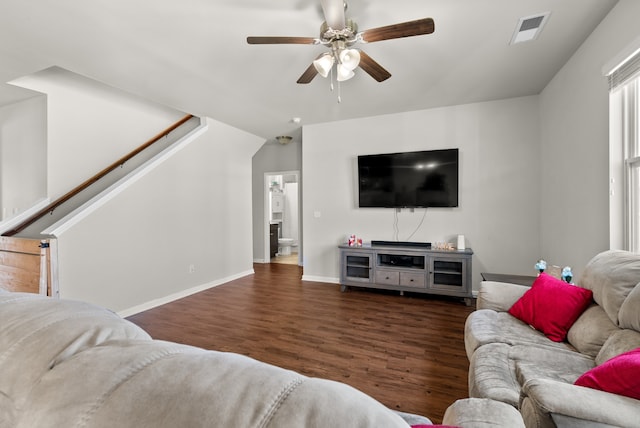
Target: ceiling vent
x=529, y=28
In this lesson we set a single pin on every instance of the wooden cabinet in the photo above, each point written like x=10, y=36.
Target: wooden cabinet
x=416, y=269
x=273, y=239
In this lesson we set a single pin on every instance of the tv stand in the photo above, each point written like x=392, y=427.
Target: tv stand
x=412, y=268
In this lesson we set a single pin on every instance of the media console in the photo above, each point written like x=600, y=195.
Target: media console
x=412, y=268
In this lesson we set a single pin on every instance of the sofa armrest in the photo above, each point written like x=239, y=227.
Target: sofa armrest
x=499, y=296
x=565, y=403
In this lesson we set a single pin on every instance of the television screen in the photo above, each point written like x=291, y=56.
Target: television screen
x=409, y=180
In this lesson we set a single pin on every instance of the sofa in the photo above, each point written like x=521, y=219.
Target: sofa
x=72, y=364
x=586, y=374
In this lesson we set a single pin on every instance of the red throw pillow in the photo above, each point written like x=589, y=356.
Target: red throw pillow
x=619, y=375
x=551, y=306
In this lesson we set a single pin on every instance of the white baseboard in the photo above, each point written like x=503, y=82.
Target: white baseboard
x=327, y=279
x=179, y=295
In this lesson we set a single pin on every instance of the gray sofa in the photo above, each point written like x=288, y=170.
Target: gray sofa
x=511, y=362
x=72, y=364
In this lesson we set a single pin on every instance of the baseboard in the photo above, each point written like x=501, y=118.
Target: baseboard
x=327, y=279
x=181, y=294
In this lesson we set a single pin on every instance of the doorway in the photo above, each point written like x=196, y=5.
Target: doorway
x=282, y=217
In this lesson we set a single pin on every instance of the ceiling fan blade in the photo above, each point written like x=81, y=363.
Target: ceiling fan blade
x=372, y=68
x=334, y=13
x=396, y=31
x=276, y=40
x=308, y=75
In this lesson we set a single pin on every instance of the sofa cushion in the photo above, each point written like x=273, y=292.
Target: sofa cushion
x=548, y=403
x=551, y=306
x=40, y=332
x=619, y=375
x=486, y=326
x=591, y=330
x=499, y=296
x=611, y=275
x=498, y=370
x=559, y=367
x=159, y=384
x=482, y=413
x=492, y=374
x=618, y=343
x=629, y=315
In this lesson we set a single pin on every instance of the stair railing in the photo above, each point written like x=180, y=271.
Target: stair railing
x=61, y=200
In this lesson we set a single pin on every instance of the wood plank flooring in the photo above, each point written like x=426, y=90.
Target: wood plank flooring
x=405, y=351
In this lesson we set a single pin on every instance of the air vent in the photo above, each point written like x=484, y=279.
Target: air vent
x=529, y=28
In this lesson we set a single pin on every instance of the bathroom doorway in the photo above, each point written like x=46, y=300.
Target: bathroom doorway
x=282, y=217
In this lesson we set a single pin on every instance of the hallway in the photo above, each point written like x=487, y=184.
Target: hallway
x=291, y=259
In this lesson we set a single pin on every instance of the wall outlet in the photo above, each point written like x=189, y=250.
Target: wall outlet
x=192, y=268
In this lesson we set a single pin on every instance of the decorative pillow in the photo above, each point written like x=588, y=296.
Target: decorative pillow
x=619, y=375
x=551, y=306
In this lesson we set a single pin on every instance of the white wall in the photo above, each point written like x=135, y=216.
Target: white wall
x=499, y=184
x=23, y=155
x=194, y=209
x=91, y=125
x=574, y=208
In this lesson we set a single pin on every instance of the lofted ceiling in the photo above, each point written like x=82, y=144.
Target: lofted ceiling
x=192, y=55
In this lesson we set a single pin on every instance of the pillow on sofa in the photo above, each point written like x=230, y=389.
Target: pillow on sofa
x=551, y=306
x=619, y=375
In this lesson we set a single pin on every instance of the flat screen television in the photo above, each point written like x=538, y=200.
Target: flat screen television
x=408, y=180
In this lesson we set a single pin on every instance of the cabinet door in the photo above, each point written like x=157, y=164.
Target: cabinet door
x=273, y=236
x=449, y=275
x=356, y=266
x=277, y=203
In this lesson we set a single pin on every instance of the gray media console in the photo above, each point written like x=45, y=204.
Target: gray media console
x=407, y=268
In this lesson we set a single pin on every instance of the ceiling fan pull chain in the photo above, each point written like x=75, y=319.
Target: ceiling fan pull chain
x=331, y=80
x=339, y=92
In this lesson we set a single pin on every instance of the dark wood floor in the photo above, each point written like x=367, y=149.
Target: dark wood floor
x=405, y=351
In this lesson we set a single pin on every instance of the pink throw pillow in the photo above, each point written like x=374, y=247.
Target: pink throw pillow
x=551, y=306
x=619, y=375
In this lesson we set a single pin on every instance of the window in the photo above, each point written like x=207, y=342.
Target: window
x=624, y=83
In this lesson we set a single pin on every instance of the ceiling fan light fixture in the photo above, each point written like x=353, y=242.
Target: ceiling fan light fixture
x=349, y=58
x=344, y=73
x=284, y=139
x=323, y=64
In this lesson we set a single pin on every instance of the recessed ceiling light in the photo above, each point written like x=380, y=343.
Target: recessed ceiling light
x=529, y=28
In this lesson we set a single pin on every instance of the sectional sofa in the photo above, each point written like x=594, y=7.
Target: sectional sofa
x=563, y=355
x=72, y=364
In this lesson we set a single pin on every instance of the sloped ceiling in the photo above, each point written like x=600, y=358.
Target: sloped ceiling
x=192, y=54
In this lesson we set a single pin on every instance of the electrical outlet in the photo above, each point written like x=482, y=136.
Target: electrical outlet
x=192, y=268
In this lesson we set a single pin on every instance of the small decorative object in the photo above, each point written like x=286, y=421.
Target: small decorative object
x=541, y=265
x=567, y=275
x=359, y=242
x=352, y=240
x=446, y=246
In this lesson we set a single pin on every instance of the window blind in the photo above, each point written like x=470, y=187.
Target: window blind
x=625, y=71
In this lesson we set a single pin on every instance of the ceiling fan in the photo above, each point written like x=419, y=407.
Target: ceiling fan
x=339, y=35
